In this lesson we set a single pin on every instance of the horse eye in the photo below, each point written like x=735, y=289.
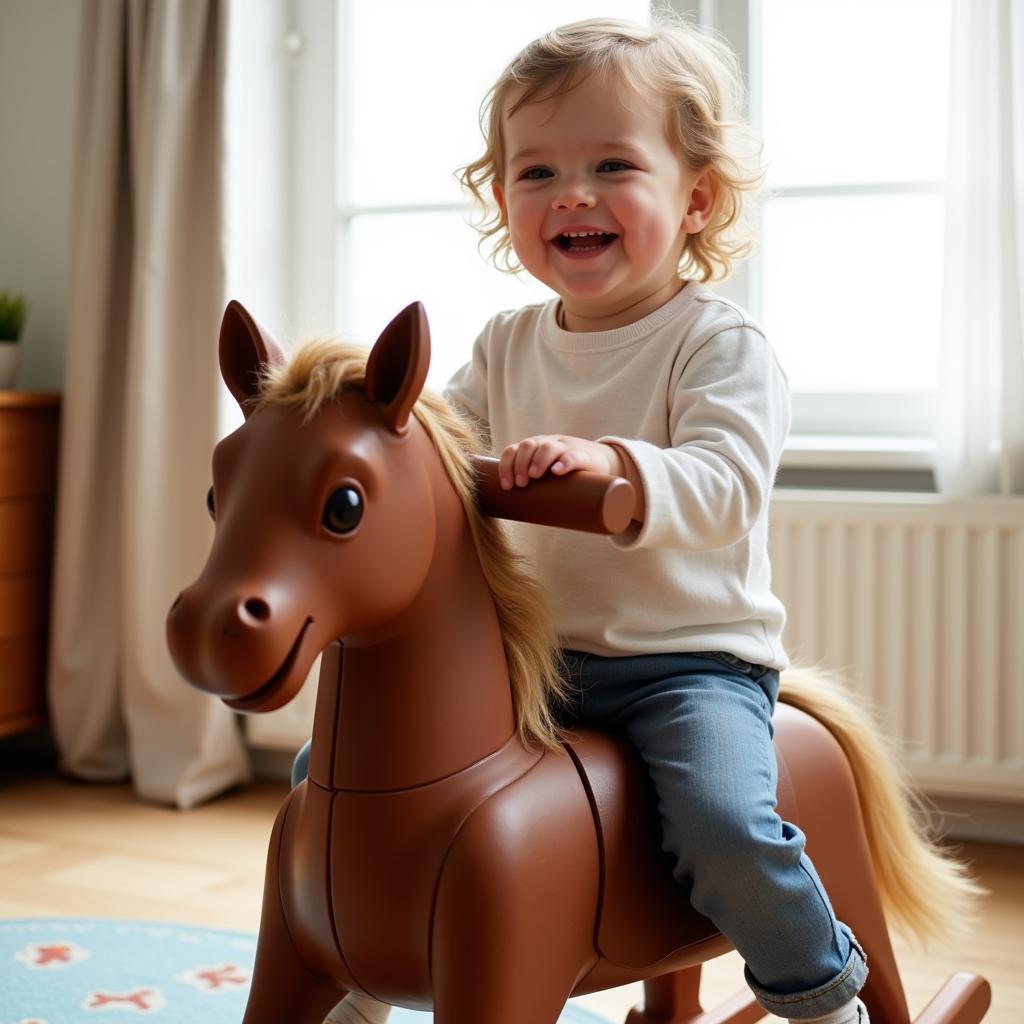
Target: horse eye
x=209, y=504
x=343, y=510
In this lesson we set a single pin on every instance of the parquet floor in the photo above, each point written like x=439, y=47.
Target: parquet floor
x=79, y=849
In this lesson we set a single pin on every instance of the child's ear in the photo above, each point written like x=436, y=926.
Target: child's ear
x=499, y=197
x=703, y=195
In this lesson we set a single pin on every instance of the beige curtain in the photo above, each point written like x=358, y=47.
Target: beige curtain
x=979, y=417
x=140, y=405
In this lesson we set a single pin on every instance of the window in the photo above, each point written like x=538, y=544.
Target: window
x=852, y=101
x=402, y=224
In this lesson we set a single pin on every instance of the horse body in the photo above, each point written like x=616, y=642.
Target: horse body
x=414, y=738
x=432, y=859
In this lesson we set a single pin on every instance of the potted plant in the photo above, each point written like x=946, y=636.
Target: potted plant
x=13, y=310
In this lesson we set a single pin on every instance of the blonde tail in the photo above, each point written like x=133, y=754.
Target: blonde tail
x=925, y=891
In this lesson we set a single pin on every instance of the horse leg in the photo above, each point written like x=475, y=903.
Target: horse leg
x=675, y=999
x=669, y=999
x=837, y=844
x=513, y=926
x=283, y=988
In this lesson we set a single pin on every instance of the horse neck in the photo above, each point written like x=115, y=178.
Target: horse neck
x=429, y=695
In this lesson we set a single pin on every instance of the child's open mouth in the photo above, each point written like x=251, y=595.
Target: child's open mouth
x=583, y=243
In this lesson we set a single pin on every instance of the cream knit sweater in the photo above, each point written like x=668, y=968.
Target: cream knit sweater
x=695, y=395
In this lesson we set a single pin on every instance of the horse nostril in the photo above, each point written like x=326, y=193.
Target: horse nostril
x=258, y=609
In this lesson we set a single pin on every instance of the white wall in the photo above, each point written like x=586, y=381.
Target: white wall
x=38, y=87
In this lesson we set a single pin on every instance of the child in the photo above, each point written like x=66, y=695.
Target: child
x=612, y=156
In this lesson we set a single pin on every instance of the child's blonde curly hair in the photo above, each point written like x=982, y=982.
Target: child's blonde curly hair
x=694, y=74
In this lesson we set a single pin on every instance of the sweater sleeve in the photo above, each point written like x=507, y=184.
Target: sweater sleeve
x=729, y=415
x=467, y=389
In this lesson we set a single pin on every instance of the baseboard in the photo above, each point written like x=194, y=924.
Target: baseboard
x=988, y=821
x=271, y=764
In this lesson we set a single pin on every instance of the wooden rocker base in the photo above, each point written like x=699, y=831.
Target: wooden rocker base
x=964, y=999
x=675, y=999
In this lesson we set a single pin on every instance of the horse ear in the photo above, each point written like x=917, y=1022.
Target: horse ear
x=245, y=349
x=397, y=368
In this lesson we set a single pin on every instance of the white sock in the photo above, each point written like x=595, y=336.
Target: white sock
x=356, y=1008
x=853, y=1012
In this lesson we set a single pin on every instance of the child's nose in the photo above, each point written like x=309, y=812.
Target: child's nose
x=573, y=196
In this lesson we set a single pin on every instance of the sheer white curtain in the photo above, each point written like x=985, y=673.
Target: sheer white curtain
x=980, y=413
x=140, y=405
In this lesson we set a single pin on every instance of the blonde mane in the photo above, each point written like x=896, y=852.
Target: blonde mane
x=322, y=370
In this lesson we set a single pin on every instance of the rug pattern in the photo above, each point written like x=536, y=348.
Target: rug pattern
x=108, y=971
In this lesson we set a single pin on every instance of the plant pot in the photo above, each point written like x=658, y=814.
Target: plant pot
x=10, y=352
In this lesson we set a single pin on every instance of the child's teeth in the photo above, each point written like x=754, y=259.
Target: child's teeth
x=602, y=239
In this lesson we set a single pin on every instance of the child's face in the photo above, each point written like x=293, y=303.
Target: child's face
x=598, y=159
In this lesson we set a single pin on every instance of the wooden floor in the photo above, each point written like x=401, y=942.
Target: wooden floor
x=70, y=848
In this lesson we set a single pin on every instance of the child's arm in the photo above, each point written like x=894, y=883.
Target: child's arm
x=728, y=417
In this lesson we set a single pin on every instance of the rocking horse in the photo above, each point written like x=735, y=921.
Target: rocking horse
x=447, y=851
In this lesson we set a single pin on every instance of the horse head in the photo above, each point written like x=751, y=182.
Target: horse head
x=307, y=504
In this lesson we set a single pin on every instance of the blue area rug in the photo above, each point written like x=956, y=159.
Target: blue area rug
x=73, y=970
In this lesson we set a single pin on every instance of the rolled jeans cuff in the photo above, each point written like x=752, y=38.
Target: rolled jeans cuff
x=816, y=1002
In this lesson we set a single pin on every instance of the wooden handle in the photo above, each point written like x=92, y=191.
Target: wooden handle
x=582, y=500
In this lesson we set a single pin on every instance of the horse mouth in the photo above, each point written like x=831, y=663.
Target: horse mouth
x=267, y=693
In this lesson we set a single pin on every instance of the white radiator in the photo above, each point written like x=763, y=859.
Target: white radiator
x=919, y=602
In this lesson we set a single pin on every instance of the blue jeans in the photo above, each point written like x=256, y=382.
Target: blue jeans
x=703, y=725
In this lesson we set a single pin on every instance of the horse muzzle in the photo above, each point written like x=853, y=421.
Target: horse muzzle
x=239, y=647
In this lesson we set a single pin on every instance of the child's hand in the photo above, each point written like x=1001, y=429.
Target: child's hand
x=534, y=456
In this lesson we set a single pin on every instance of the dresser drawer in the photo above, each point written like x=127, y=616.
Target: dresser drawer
x=24, y=602
x=28, y=450
x=26, y=535
x=22, y=697
x=29, y=437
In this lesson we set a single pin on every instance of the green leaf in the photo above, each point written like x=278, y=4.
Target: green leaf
x=13, y=309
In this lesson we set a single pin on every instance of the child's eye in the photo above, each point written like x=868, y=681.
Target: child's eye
x=535, y=173
x=615, y=165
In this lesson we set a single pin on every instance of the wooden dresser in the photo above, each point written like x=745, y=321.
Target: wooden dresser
x=29, y=426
